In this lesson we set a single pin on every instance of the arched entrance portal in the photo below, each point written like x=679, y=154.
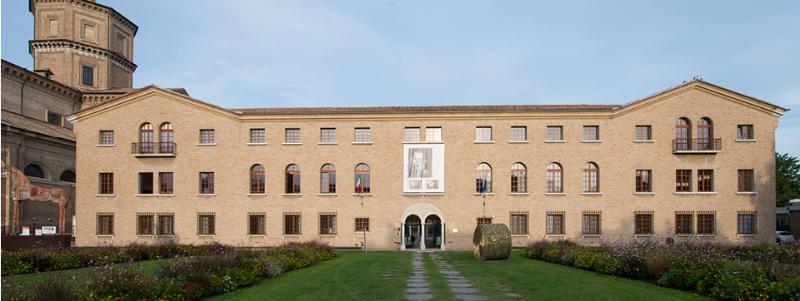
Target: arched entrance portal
x=423, y=227
x=413, y=232
x=433, y=232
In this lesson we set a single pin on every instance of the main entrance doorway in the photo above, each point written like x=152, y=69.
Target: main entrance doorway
x=413, y=232
x=433, y=232
x=422, y=227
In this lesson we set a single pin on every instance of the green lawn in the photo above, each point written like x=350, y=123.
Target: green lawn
x=354, y=275
x=150, y=267
x=538, y=280
x=358, y=276
x=351, y=275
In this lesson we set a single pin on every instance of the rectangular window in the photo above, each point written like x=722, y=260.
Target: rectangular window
x=746, y=223
x=746, y=180
x=683, y=180
x=105, y=224
x=706, y=223
x=327, y=135
x=291, y=224
x=705, y=180
x=363, y=135
x=207, y=136
x=433, y=134
x=144, y=225
x=555, y=133
x=207, y=183
x=591, y=224
x=745, y=132
x=644, y=133
x=519, y=223
x=145, y=183
x=165, y=183
x=257, y=224
x=206, y=224
x=54, y=118
x=87, y=75
x=166, y=224
x=483, y=134
x=106, y=137
x=362, y=224
x=292, y=135
x=555, y=223
x=106, y=181
x=258, y=136
x=644, y=223
x=412, y=135
x=591, y=133
x=683, y=223
x=484, y=220
x=519, y=133
x=327, y=224
x=644, y=180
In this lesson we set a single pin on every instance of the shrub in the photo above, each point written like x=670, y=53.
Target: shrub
x=123, y=282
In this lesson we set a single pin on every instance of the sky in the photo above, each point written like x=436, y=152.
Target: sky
x=256, y=53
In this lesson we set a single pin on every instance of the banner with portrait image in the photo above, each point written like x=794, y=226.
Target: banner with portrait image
x=423, y=168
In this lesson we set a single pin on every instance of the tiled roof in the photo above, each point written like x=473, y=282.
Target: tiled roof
x=424, y=109
x=38, y=126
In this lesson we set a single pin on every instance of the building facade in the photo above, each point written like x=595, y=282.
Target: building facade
x=82, y=56
x=694, y=161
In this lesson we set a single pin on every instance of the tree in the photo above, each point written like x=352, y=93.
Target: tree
x=787, y=178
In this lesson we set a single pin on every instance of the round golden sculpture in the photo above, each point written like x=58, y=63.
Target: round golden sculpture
x=491, y=242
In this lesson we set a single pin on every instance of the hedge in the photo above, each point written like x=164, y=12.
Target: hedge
x=735, y=272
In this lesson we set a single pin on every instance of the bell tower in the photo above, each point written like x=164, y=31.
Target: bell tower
x=85, y=45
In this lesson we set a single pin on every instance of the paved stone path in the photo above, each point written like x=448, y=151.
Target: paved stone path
x=418, y=288
x=460, y=286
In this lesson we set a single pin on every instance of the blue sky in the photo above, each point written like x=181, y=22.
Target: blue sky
x=356, y=53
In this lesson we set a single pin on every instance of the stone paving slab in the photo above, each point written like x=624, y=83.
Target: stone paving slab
x=419, y=297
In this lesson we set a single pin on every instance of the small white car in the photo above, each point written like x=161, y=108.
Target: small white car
x=783, y=237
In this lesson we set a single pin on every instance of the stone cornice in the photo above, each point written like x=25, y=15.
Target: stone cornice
x=62, y=44
x=41, y=81
x=93, y=6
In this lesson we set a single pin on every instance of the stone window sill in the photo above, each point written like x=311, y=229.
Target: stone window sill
x=484, y=142
x=327, y=143
x=519, y=142
x=256, y=194
x=104, y=236
x=592, y=235
x=211, y=236
x=644, y=193
x=256, y=235
x=293, y=194
x=591, y=141
x=363, y=143
x=487, y=193
x=105, y=195
x=746, y=140
x=591, y=193
x=256, y=144
x=206, y=144
x=644, y=141
x=555, y=141
x=746, y=193
x=207, y=194
x=106, y=145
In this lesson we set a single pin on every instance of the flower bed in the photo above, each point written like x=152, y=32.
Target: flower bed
x=43, y=260
x=188, y=278
x=736, y=272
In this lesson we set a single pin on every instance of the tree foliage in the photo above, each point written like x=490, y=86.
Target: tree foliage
x=787, y=183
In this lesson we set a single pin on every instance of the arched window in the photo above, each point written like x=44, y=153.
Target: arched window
x=362, y=178
x=292, y=178
x=519, y=178
x=591, y=177
x=554, y=176
x=166, y=138
x=327, y=179
x=483, y=178
x=257, y=179
x=33, y=170
x=67, y=176
x=683, y=133
x=705, y=134
x=146, y=145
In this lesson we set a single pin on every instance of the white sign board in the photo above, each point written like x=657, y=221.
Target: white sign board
x=26, y=230
x=48, y=230
x=423, y=168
